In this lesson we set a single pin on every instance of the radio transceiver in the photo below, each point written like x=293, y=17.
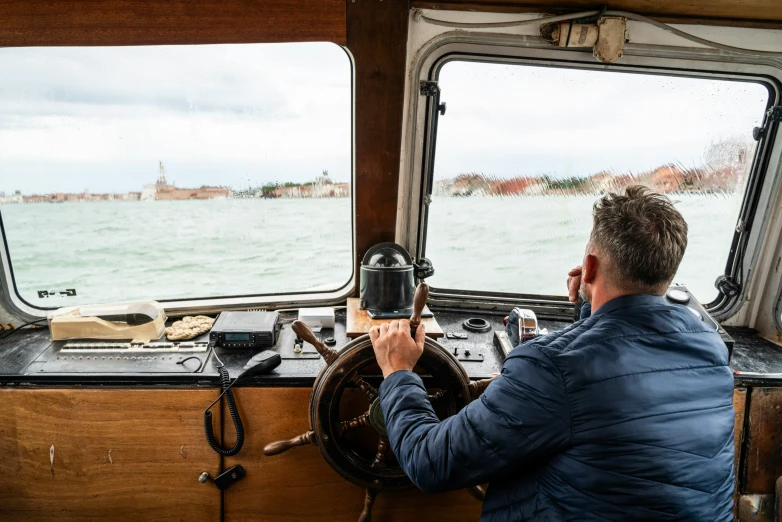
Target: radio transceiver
x=246, y=330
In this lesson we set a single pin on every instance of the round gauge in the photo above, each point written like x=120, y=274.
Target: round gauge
x=678, y=296
x=696, y=313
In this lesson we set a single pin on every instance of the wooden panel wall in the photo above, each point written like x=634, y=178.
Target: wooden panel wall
x=117, y=455
x=377, y=38
x=744, y=10
x=157, y=22
x=299, y=485
x=763, y=452
x=740, y=406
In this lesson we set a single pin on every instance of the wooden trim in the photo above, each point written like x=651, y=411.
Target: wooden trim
x=739, y=406
x=763, y=458
x=760, y=14
x=162, y=22
x=377, y=38
x=120, y=454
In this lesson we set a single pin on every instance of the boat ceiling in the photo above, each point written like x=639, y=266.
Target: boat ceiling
x=160, y=22
x=150, y=22
x=747, y=13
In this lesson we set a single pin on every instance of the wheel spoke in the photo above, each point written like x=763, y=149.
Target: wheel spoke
x=281, y=446
x=355, y=422
x=477, y=493
x=437, y=396
x=380, y=458
x=368, y=389
x=369, y=501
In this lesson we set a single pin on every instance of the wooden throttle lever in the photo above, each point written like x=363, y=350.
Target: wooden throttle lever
x=419, y=302
x=478, y=387
x=303, y=331
x=281, y=446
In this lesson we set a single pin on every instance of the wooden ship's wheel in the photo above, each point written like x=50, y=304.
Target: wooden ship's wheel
x=342, y=443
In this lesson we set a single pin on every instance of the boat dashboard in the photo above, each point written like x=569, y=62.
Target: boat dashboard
x=30, y=357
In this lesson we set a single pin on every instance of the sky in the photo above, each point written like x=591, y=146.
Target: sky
x=511, y=120
x=100, y=119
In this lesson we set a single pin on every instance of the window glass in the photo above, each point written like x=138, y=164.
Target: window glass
x=524, y=151
x=170, y=172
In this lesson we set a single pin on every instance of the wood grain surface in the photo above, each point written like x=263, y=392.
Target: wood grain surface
x=377, y=39
x=359, y=322
x=121, y=454
x=763, y=442
x=158, y=22
x=739, y=405
x=299, y=485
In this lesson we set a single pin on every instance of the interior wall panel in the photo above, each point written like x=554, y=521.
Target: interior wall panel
x=121, y=454
x=159, y=22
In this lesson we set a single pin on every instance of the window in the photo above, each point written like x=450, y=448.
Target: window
x=176, y=172
x=523, y=152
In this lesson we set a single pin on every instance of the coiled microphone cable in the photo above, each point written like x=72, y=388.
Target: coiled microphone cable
x=264, y=362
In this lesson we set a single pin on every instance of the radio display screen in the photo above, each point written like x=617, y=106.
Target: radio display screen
x=237, y=337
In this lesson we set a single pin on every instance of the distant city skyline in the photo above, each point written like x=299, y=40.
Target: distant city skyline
x=242, y=116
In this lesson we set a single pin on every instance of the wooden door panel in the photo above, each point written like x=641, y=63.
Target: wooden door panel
x=299, y=485
x=763, y=463
x=71, y=454
x=739, y=405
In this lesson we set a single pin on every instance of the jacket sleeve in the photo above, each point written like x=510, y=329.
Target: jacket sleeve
x=522, y=416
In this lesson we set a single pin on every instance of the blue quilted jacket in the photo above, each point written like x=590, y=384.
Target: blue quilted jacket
x=625, y=415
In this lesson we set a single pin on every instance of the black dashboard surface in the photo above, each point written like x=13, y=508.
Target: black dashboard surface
x=29, y=357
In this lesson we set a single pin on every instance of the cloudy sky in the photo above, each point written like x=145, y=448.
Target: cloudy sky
x=510, y=120
x=100, y=118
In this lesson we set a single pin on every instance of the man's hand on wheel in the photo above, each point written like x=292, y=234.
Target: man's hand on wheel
x=573, y=284
x=394, y=348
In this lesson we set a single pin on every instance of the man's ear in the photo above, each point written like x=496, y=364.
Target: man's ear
x=590, y=269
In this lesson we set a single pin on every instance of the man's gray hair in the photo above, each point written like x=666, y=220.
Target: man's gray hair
x=644, y=237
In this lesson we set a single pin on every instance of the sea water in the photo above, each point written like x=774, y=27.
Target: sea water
x=119, y=250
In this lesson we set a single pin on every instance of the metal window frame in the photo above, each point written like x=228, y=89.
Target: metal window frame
x=415, y=189
x=14, y=303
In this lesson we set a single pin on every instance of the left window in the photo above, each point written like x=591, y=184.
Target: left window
x=176, y=172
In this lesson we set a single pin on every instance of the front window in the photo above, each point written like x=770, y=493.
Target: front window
x=175, y=172
x=523, y=152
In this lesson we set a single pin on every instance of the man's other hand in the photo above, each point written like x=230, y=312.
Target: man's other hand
x=395, y=349
x=573, y=284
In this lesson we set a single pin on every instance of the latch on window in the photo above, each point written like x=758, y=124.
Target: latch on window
x=773, y=115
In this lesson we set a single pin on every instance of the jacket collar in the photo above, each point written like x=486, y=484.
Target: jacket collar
x=627, y=301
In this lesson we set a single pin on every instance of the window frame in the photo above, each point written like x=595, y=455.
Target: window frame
x=12, y=301
x=415, y=189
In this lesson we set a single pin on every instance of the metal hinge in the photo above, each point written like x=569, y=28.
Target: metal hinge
x=773, y=115
x=429, y=88
x=727, y=286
